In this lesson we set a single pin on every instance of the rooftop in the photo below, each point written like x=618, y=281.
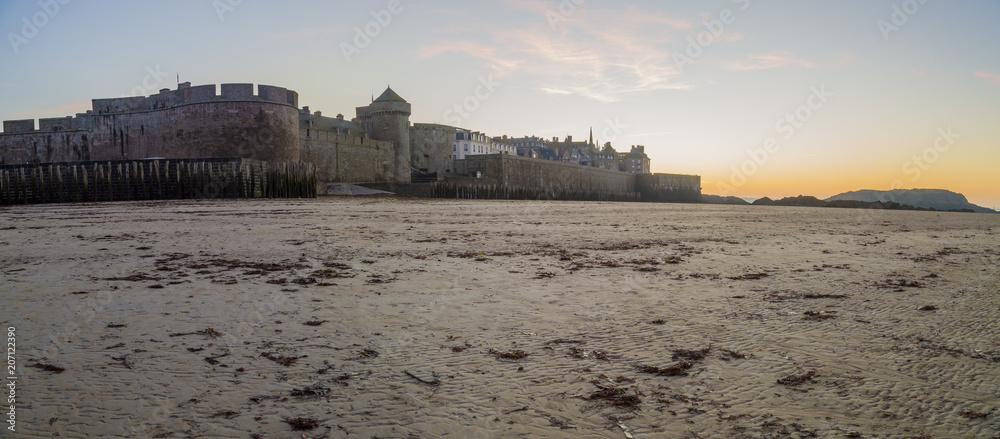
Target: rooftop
x=389, y=96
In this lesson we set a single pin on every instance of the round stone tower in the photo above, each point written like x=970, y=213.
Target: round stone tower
x=388, y=119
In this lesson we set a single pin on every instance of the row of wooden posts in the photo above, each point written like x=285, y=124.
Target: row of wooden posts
x=502, y=192
x=155, y=180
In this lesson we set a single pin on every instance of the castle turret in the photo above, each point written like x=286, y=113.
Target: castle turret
x=388, y=118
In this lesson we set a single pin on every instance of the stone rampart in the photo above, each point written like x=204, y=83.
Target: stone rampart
x=501, y=175
x=45, y=147
x=342, y=158
x=19, y=126
x=670, y=188
x=197, y=94
x=431, y=148
x=191, y=122
x=521, y=172
x=56, y=124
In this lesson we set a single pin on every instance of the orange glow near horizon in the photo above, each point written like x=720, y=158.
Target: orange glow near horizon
x=780, y=186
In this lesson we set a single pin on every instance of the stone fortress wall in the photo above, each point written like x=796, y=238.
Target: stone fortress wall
x=345, y=157
x=670, y=188
x=388, y=119
x=523, y=172
x=378, y=146
x=549, y=178
x=191, y=122
x=431, y=148
x=57, y=140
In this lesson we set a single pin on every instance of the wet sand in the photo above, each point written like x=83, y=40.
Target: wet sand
x=401, y=318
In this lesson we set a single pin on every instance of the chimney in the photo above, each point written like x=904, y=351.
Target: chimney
x=340, y=116
x=305, y=109
x=164, y=90
x=183, y=85
x=319, y=114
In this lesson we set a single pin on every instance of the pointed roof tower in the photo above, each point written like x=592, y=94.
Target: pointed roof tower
x=389, y=96
x=591, y=136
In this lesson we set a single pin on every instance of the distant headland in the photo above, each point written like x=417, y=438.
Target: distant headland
x=897, y=199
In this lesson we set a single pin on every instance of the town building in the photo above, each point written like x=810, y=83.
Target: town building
x=635, y=161
x=469, y=142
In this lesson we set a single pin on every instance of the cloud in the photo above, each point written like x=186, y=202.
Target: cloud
x=635, y=15
x=500, y=63
x=731, y=37
x=992, y=78
x=582, y=55
x=769, y=61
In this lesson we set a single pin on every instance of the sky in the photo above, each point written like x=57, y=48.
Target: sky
x=761, y=98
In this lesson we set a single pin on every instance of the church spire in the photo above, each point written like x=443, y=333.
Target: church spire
x=591, y=136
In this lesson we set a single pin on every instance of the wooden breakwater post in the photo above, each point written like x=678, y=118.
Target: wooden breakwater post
x=131, y=180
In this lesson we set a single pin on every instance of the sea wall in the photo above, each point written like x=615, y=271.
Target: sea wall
x=521, y=172
x=669, y=188
x=508, y=176
x=256, y=130
x=341, y=158
x=191, y=122
x=45, y=147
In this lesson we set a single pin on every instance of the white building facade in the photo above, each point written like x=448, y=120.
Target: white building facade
x=475, y=143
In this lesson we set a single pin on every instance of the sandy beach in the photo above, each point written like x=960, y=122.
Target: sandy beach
x=405, y=318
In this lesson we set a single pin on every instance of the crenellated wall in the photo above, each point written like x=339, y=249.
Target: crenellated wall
x=190, y=122
x=257, y=130
x=186, y=94
x=56, y=124
x=19, y=126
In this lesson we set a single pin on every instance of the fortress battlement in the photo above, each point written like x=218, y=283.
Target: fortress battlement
x=187, y=94
x=166, y=98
